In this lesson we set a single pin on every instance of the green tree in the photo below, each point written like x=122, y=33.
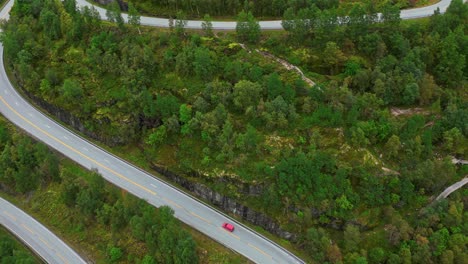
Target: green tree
x=246, y=94
x=70, y=6
x=185, y=113
x=158, y=136
x=207, y=25
x=114, y=14
x=203, y=63
x=167, y=105
x=333, y=57
x=316, y=242
x=181, y=23
x=377, y=255
x=447, y=257
x=299, y=25
x=410, y=94
x=247, y=28
x=439, y=240
x=451, y=61
x=133, y=15
x=50, y=21
x=393, y=146
x=352, y=238
x=72, y=91
x=186, y=249
x=428, y=89
x=115, y=254
x=454, y=142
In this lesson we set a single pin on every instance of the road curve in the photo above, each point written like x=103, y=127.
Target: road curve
x=136, y=181
x=452, y=188
x=188, y=209
x=270, y=24
x=46, y=245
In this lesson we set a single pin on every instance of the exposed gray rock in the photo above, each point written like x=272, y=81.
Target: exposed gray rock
x=71, y=120
x=227, y=204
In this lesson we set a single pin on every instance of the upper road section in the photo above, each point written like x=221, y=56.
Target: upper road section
x=272, y=24
x=47, y=245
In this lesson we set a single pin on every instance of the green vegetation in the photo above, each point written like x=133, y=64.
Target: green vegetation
x=336, y=163
x=259, y=8
x=104, y=223
x=12, y=251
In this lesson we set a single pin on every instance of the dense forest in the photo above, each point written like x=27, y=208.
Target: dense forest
x=259, y=8
x=11, y=251
x=350, y=164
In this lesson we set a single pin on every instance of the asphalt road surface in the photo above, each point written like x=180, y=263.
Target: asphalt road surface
x=48, y=246
x=141, y=184
x=196, y=214
x=272, y=24
x=137, y=182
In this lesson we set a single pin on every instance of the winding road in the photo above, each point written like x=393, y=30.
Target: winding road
x=271, y=24
x=138, y=182
x=46, y=245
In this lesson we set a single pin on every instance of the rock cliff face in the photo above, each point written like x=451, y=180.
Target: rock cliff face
x=201, y=191
x=227, y=204
x=71, y=120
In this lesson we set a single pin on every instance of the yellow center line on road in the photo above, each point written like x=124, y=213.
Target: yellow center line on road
x=45, y=242
x=10, y=215
x=74, y=150
x=238, y=238
x=27, y=228
x=194, y=214
x=62, y=258
x=173, y=203
x=259, y=250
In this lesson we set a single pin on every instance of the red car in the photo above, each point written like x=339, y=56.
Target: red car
x=228, y=227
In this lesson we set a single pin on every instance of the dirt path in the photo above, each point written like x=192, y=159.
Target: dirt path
x=459, y=161
x=409, y=111
x=452, y=188
x=287, y=65
x=284, y=63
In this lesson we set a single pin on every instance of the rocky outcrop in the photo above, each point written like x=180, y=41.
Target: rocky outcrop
x=227, y=204
x=71, y=120
x=201, y=191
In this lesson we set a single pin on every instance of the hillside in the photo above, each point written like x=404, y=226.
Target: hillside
x=332, y=164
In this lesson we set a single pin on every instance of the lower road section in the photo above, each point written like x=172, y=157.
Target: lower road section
x=46, y=245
